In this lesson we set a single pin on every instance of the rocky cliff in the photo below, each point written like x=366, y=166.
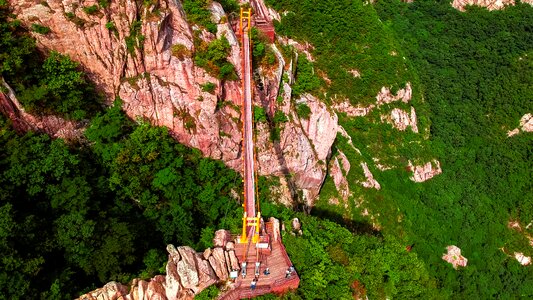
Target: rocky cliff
x=489, y=4
x=126, y=49
x=187, y=274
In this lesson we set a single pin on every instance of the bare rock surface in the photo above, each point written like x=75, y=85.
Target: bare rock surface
x=339, y=169
x=386, y=96
x=489, y=4
x=276, y=235
x=166, y=89
x=522, y=259
x=454, y=257
x=218, y=263
x=370, y=181
x=425, y=172
x=352, y=111
x=401, y=119
x=222, y=237
x=187, y=274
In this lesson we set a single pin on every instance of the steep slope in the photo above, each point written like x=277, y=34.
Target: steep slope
x=129, y=50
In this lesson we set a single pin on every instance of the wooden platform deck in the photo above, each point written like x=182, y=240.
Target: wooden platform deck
x=278, y=262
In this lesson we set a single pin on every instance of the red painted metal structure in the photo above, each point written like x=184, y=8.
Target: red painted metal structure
x=257, y=248
x=252, y=215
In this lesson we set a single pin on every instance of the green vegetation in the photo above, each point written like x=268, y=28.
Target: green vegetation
x=262, y=53
x=51, y=85
x=229, y=5
x=209, y=293
x=477, y=80
x=107, y=209
x=91, y=10
x=346, y=35
x=198, y=13
x=135, y=40
x=73, y=217
x=259, y=114
x=213, y=58
x=336, y=262
x=180, y=51
x=307, y=81
x=208, y=87
x=303, y=111
x=61, y=89
x=40, y=29
x=104, y=3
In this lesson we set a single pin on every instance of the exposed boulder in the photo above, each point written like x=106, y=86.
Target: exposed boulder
x=111, y=291
x=234, y=262
x=522, y=259
x=425, y=172
x=385, y=95
x=165, y=87
x=454, y=257
x=222, y=237
x=489, y=4
x=401, y=119
x=206, y=275
x=187, y=274
x=295, y=223
x=526, y=125
x=370, y=181
x=275, y=228
x=218, y=262
x=186, y=267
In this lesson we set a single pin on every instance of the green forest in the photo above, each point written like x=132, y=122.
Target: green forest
x=473, y=76
x=77, y=214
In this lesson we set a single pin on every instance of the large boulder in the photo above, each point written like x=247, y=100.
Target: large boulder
x=222, y=237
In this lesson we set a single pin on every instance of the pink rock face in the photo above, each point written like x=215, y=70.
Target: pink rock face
x=425, y=172
x=385, y=95
x=401, y=119
x=489, y=4
x=339, y=168
x=370, y=181
x=157, y=86
x=218, y=262
x=352, y=111
x=187, y=274
x=276, y=235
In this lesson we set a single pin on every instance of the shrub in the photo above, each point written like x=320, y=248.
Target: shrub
x=280, y=117
x=303, y=111
x=180, y=51
x=208, y=87
x=135, y=39
x=198, y=13
x=103, y=3
x=259, y=114
x=40, y=29
x=110, y=25
x=91, y=10
x=212, y=57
